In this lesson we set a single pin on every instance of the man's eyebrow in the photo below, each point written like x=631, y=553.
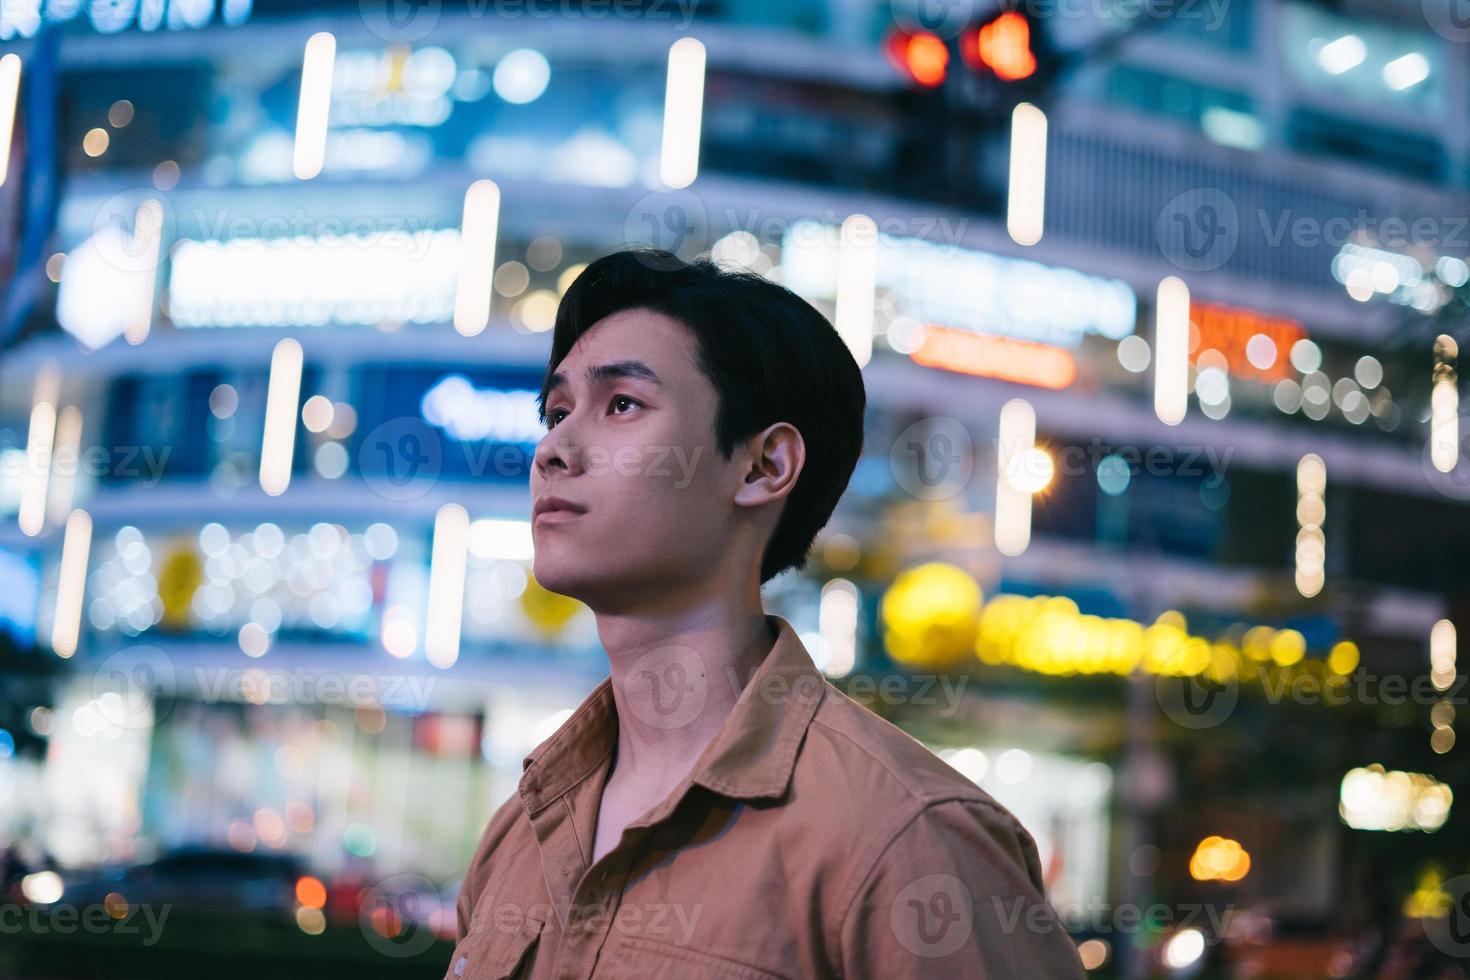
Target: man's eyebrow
x=599, y=373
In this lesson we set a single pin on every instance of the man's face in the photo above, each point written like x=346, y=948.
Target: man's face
x=635, y=447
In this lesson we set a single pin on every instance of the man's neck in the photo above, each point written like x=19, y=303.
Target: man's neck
x=675, y=681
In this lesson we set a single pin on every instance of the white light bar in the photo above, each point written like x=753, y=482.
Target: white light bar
x=1171, y=351
x=1026, y=195
x=478, y=228
x=71, y=583
x=683, y=113
x=314, y=105
x=446, y=585
x=9, y=96
x=282, y=395
x=856, y=285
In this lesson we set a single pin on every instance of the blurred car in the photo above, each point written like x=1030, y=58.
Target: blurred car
x=200, y=879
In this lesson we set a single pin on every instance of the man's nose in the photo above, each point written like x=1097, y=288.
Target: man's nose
x=556, y=450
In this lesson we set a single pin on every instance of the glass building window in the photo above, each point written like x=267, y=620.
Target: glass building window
x=1420, y=157
x=1218, y=23
x=1221, y=114
x=118, y=120
x=1365, y=61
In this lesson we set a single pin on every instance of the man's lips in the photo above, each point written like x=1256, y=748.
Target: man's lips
x=556, y=516
x=552, y=509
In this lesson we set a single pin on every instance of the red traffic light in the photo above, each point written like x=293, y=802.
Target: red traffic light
x=1002, y=46
x=922, y=56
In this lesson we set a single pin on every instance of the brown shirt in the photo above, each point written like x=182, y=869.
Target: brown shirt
x=811, y=839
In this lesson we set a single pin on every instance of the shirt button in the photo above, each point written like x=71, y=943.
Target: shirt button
x=459, y=966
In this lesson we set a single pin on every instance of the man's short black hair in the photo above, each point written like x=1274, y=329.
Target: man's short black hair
x=770, y=355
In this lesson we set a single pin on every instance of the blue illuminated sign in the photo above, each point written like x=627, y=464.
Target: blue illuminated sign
x=23, y=18
x=477, y=424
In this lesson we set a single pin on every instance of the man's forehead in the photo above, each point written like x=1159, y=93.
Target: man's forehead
x=630, y=338
x=632, y=326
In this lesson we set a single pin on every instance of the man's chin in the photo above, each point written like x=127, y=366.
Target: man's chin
x=595, y=587
x=572, y=583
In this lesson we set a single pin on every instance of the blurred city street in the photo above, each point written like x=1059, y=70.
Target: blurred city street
x=1160, y=535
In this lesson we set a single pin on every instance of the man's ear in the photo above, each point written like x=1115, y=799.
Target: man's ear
x=775, y=457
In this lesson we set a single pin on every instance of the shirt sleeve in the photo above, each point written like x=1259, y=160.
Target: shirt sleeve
x=469, y=891
x=956, y=893
x=474, y=877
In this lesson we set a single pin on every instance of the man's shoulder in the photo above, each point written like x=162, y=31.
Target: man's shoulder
x=508, y=820
x=879, y=798
x=870, y=760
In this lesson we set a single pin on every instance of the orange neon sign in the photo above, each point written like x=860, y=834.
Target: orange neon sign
x=988, y=356
x=1228, y=330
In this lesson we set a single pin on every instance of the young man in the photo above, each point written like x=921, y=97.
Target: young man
x=716, y=808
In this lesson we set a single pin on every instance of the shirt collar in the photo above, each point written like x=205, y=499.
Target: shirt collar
x=751, y=757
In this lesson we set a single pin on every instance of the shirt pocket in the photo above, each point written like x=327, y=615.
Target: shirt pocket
x=495, y=954
x=636, y=958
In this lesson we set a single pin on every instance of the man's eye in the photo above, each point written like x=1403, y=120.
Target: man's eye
x=554, y=416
